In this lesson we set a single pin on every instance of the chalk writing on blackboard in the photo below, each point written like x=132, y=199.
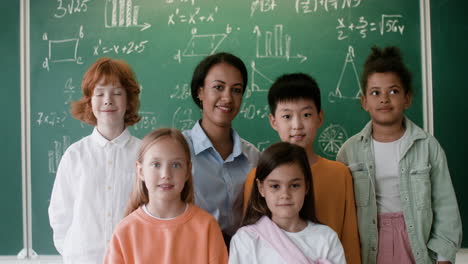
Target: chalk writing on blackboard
x=387, y=24
x=347, y=94
x=262, y=5
x=331, y=139
x=52, y=119
x=250, y=111
x=193, y=17
x=123, y=13
x=182, y=118
x=70, y=7
x=192, y=2
x=262, y=145
x=148, y=121
x=55, y=155
x=126, y=48
x=69, y=91
x=260, y=82
x=276, y=44
x=309, y=6
x=181, y=92
x=62, y=50
x=201, y=45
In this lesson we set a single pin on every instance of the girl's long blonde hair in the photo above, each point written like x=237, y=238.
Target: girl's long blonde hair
x=139, y=194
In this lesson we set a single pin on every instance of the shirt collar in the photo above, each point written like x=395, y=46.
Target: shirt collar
x=120, y=141
x=412, y=130
x=204, y=143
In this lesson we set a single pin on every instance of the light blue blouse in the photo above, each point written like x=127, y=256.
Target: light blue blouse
x=218, y=182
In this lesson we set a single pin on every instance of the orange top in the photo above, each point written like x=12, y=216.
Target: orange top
x=193, y=237
x=334, y=203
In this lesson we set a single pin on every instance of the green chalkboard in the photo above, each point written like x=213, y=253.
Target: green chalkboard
x=449, y=57
x=163, y=41
x=11, y=225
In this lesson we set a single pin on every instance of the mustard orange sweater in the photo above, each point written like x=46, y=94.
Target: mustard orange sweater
x=193, y=237
x=334, y=203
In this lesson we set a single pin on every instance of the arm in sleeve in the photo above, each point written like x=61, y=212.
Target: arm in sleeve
x=335, y=253
x=114, y=254
x=350, y=235
x=248, y=185
x=239, y=251
x=61, y=202
x=217, y=248
x=446, y=231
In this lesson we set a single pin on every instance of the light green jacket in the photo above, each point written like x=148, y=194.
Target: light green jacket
x=427, y=197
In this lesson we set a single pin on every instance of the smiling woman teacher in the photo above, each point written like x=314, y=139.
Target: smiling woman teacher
x=221, y=158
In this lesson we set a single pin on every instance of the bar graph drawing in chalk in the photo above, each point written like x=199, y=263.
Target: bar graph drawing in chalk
x=123, y=13
x=275, y=44
x=348, y=86
x=203, y=45
x=55, y=155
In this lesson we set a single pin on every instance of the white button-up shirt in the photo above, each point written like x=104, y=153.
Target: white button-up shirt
x=91, y=190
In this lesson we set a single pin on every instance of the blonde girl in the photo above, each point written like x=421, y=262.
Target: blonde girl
x=163, y=225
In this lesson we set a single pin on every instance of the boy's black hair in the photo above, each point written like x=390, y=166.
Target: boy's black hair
x=294, y=86
x=202, y=69
x=388, y=59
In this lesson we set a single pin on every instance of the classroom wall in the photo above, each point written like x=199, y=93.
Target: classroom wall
x=449, y=65
x=11, y=205
x=55, y=83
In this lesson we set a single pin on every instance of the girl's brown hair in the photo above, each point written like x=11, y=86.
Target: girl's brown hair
x=276, y=155
x=139, y=194
x=108, y=71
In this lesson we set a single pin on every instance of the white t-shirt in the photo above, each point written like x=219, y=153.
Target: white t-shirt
x=315, y=241
x=91, y=191
x=387, y=175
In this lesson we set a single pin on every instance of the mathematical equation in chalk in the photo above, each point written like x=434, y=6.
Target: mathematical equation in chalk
x=387, y=24
x=52, y=119
x=149, y=121
x=70, y=7
x=127, y=48
x=181, y=92
x=192, y=17
x=251, y=111
x=312, y=6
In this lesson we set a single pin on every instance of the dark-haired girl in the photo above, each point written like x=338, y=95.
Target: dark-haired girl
x=279, y=225
x=406, y=206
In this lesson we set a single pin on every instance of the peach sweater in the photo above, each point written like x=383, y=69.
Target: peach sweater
x=193, y=237
x=334, y=203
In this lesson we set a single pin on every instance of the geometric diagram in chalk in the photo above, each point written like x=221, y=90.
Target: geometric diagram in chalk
x=275, y=45
x=203, y=45
x=260, y=82
x=331, y=139
x=262, y=145
x=64, y=50
x=182, y=118
x=343, y=89
x=122, y=13
x=55, y=155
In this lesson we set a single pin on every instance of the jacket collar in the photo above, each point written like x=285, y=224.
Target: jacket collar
x=413, y=131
